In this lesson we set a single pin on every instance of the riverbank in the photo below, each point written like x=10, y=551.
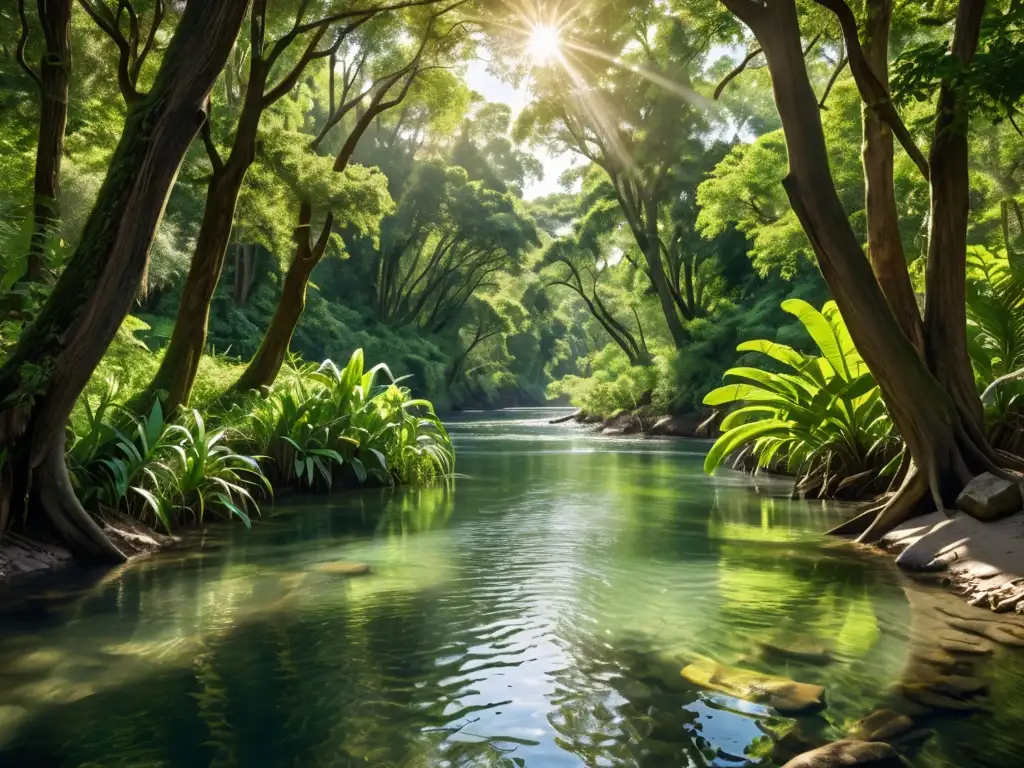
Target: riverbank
x=23, y=557
x=642, y=421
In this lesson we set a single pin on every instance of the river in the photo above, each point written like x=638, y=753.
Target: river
x=535, y=611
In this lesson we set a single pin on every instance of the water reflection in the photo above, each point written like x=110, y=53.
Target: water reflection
x=536, y=611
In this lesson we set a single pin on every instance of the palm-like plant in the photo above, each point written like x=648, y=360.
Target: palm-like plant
x=995, y=325
x=820, y=418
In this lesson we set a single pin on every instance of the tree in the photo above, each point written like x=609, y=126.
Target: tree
x=55, y=356
x=362, y=197
x=578, y=261
x=51, y=78
x=485, y=149
x=446, y=241
x=621, y=97
x=280, y=48
x=384, y=94
x=931, y=398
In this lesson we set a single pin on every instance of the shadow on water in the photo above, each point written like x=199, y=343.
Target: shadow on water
x=536, y=611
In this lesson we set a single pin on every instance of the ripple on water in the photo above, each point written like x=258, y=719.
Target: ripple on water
x=540, y=608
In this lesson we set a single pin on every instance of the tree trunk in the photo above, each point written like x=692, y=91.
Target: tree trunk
x=177, y=373
x=656, y=270
x=266, y=364
x=245, y=272
x=885, y=248
x=945, y=314
x=945, y=456
x=50, y=366
x=54, y=74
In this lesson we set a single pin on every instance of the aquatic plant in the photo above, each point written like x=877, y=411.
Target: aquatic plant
x=820, y=418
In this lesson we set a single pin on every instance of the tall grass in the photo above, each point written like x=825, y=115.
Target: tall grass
x=160, y=472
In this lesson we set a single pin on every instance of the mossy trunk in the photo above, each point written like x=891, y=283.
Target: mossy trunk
x=177, y=373
x=656, y=271
x=56, y=355
x=54, y=74
x=266, y=363
x=936, y=428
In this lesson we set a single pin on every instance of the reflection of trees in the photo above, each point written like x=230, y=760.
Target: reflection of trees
x=598, y=585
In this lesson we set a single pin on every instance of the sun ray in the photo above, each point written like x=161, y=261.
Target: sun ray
x=672, y=86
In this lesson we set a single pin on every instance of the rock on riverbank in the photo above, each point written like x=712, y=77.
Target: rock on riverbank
x=642, y=421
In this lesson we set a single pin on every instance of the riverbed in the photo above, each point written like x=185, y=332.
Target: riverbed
x=535, y=610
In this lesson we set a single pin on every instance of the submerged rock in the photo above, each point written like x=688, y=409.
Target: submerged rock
x=803, y=652
x=849, y=752
x=343, y=568
x=988, y=497
x=881, y=725
x=786, y=696
x=791, y=740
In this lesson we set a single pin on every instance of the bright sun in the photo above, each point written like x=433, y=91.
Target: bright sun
x=543, y=43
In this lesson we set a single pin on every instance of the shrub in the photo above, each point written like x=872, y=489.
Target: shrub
x=319, y=421
x=820, y=418
x=613, y=386
x=157, y=471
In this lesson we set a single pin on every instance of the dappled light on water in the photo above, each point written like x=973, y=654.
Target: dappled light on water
x=539, y=607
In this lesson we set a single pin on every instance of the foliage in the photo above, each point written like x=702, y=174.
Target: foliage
x=820, y=418
x=613, y=385
x=995, y=322
x=321, y=422
x=160, y=472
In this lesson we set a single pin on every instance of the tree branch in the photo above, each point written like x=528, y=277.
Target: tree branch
x=736, y=72
x=147, y=47
x=872, y=91
x=206, y=132
x=113, y=31
x=832, y=81
x=20, y=50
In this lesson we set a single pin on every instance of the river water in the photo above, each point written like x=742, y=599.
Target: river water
x=535, y=611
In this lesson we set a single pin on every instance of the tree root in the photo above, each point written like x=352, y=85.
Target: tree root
x=902, y=505
x=73, y=524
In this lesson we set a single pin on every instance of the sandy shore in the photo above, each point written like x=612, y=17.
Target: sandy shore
x=983, y=562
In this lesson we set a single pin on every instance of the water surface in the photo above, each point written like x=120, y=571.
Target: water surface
x=536, y=611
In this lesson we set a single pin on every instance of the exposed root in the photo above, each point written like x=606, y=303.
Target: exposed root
x=984, y=458
x=73, y=524
x=903, y=505
x=857, y=525
x=1010, y=461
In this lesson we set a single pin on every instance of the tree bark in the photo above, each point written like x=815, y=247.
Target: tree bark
x=54, y=74
x=885, y=248
x=944, y=454
x=266, y=364
x=177, y=373
x=50, y=366
x=945, y=314
x=656, y=270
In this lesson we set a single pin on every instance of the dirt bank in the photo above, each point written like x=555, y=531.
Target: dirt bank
x=22, y=557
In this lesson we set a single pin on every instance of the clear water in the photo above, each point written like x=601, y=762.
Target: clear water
x=535, y=612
